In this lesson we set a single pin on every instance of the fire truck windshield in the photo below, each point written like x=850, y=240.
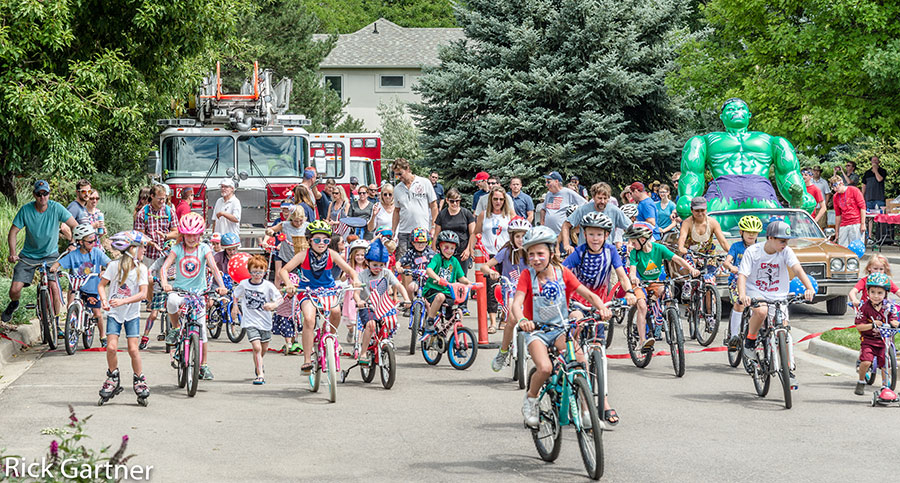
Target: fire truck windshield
x=272, y=156
x=192, y=156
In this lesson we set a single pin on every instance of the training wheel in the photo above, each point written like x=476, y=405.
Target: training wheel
x=142, y=402
x=874, y=399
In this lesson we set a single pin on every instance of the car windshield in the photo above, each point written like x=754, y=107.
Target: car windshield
x=272, y=156
x=801, y=223
x=192, y=156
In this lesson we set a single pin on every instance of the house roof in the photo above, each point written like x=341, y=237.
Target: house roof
x=383, y=43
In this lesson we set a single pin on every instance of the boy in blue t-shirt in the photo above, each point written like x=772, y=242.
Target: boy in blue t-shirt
x=750, y=227
x=87, y=260
x=594, y=261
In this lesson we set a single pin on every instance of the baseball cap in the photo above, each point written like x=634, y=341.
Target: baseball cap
x=779, y=229
x=227, y=182
x=41, y=185
x=637, y=186
x=481, y=176
x=554, y=175
x=698, y=202
x=574, y=178
x=354, y=180
x=806, y=171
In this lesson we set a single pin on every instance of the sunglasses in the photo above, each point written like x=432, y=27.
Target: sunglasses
x=492, y=183
x=94, y=198
x=41, y=194
x=453, y=201
x=84, y=191
x=91, y=241
x=321, y=241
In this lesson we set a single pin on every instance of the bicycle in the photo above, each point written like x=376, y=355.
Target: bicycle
x=662, y=321
x=593, y=342
x=417, y=309
x=565, y=399
x=890, y=356
x=619, y=311
x=187, y=346
x=704, y=309
x=80, y=320
x=449, y=335
x=43, y=306
x=519, y=355
x=776, y=350
x=380, y=354
x=220, y=314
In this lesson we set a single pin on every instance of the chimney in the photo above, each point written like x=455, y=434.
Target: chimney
x=376, y=28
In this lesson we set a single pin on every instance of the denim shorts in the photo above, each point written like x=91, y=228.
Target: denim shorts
x=547, y=338
x=91, y=300
x=132, y=327
x=261, y=335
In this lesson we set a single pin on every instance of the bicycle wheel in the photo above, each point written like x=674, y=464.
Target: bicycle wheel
x=433, y=349
x=598, y=378
x=368, y=371
x=693, y=312
x=50, y=335
x=708, y=322
x=166, y=325
x=388, y=366
x=548, y=436
x=676, y=340
x=871, y=374
x=613, y=321
x=784, y=368
x=638, y=356
x=234, y=331
x=736, y=356
x=87, y=337
x=214, y=321
x=331, y=369
x=590, y=440
x=193, y=369
x=180, y=366
x=315, y=375
x=892, y=367
x=745, y=327
x=521, y=359
x=415, y=321
x=462, y=349
x=759, y=371
x=71, y=329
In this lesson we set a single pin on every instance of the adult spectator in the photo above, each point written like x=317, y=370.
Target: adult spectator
x=338, y=207
x=600, y=196
x=438, y=188
x=873, y=185
x=354, y=185
x=324, y=202
x=94, y=217
x=654, y=191
x=415, y=205
x=821, y=183
x=557, y=200
x=848, y=173
x=156, y=220
x=626, y=196
x=41, y=220
x=304, y=198
x=522, y=203
x=646, y=206
x=227, y=212
x=493, y=225
x=362, y=208
x=383, y=211
x=143, y=199
x=459, y=220
x=82, y=192
x=373, y=193
x=574, y=184
x=665, y=210
x=849, y=212
x=482, y=204
x=816, y=193
x=186, y=200
x=481, y=181
x=676, y=176
x=310, y=177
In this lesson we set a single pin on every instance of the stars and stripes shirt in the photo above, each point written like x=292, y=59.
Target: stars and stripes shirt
x=377, y=290
x=593, y=269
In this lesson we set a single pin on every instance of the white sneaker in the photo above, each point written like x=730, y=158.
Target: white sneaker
x=499, y=361
x=530, y=411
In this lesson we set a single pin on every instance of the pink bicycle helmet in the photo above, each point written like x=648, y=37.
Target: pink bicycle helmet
x=123, y=240
x=191, y=224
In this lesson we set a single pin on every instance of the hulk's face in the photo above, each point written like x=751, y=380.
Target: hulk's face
x=736, y=115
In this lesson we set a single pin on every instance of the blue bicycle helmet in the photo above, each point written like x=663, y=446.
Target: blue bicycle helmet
x=377, y=252
x=230, y=240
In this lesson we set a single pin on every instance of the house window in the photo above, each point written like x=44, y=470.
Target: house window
x=392, y=81
x=335, y=82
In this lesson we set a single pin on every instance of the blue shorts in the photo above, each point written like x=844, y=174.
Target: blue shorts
x=547, y=338
x=132, y=327
x=91, y=300
x=874, y=204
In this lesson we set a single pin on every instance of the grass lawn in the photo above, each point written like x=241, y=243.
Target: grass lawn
x=848, y=338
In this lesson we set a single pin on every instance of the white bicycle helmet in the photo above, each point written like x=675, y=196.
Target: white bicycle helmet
x=597, y=219
x=358, y=244
x=630, y=210
x=518, y=224
x=538, y=235
x=83, y=231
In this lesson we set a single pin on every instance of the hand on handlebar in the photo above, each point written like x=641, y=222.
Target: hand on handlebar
x=166, y=287
x=569, y=249
x=289, y=289
x=745, y=301
x=443, y=282
x=222, y=291
x=630, y=299
x=526, y=325
x=695, y=272
x=734, y=269
x=494, y=275
x=809, y=294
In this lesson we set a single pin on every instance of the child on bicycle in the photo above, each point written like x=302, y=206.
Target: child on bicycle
x=646, y=260
x=377, y=283
x=191, y=259
x=230, y=244
x=873, y=313
x=594, y=261
x=750, y=227
x=295, y=227
x=314, y=266
x=541, y=308
x=257, y=299
x=357, y=260
x=215, y=242
x=86, y=260
x=128, y=278
x=441, y=271
x=877, y=264
x=764, y=274
x=416, y=258
x=510, y=261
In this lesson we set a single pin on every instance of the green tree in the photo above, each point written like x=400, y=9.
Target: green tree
x=818, y=73
x=399, y=135
x=346, y=16
x=569, y=85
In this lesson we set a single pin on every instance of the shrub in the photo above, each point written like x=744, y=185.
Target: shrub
x=117, y=214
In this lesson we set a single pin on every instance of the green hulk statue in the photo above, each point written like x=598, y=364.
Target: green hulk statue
x=739, y=161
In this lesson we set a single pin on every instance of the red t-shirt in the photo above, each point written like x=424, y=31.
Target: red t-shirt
x=848, y=204
x=816, y=194
x=569, y=279
x=182, y=209
x=864, y=294
x=868, y=315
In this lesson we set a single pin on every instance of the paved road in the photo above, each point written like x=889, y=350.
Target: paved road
x=447, y=425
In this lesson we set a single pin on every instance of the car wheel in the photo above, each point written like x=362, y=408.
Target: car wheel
x=837, y=305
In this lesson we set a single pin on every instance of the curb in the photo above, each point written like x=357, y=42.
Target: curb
x=29, y=334
x=833, y=352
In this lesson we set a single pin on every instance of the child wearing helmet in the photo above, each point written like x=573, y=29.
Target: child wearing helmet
x=416, y=258
x=541, y=308
x=81, y=264
x=374, y=300
x=230, y=244
x=874, y=313
x=509, y=262
x=191, y=259
x=594, y=261
x=215, y=242
x=158, y=301
x=646, y=260
x=750, y=227
x=314, y=269
x=441, y=271
x=356, y=257
x=294, y=232
x=877, y=264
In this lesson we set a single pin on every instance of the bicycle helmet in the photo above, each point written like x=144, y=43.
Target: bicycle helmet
x=191, y=224
x=317, y=227
x=878, y=280
x=83, y=231
x=448, y=237
x=538, y=235
x=419, y=235
x=518, y=224
x=630, y=210
x=384, y=231
x=750, y=224
x=597, y=219
x=124, y=239
x=230, y=240
x=377, y=252
x=639, y=230
x=216, y=238
x=358, y=244
x=570, y=209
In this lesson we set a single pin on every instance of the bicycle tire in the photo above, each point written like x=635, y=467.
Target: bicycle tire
x=760, y=372
x=610, y=328
x=180, y=366
x=735, y=357
x=231, y=330
x=433, y=355
x=871, y=374
x=708, y=328
x=521, y=359
x=598, y=378
x=590, y=441
x=892, y=368
x=315, y=375
x=388, y=366
x=676, y=338
x=73, y=315
x=214, y=321
x=331, y=369
x=166, y=326
x=784, y=369
x=640, y=358
x=693, y=312
x=368, y=371
x=548, y=436
x=462, y=349
x=50, y=334
x=87, y=337
x=415, y=321
x=193, y=371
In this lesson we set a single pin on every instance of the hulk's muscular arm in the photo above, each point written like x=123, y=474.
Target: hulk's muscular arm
x=693, y=180
x=787, y=175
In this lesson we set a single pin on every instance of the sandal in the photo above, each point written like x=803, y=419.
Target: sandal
x=306, y=369
x=608, y=416
x=259, y=381
x=492, y=330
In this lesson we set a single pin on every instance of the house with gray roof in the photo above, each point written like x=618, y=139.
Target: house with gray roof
x=381, y=61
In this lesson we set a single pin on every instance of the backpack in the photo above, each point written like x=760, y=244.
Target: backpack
x=146, y=214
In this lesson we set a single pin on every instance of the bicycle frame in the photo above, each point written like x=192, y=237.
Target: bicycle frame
x=419, y=277
x=771, y=328
x=565, y=369
x=323, y=333
x=190, y=324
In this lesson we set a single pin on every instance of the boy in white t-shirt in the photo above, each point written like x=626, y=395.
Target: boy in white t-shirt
x=764, y=274
x=257, y=298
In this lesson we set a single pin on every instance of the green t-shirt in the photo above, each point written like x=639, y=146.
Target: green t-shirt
x=650, y=264
x=450, y=270
x=41, y=229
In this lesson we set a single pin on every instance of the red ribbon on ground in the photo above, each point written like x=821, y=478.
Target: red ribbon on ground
x=4, y=336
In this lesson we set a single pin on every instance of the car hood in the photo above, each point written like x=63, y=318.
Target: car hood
x=818, y=249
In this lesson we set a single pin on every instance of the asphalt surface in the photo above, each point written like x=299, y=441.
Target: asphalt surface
x=441, y=424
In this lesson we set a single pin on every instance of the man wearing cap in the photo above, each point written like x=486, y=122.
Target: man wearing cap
x=310, y=177
x=763, y=273
x=646, y=206
x=438, y=188
x=811, y=188
x=574, y=184
x=415, y=205
x=354, y=184
x=227, y=212
x=41, y=220
x=481, y=181
x=557, y=200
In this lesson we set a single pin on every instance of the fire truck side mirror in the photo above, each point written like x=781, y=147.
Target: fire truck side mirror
x=229, y=172
x=152, y=163
x=243, y=175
